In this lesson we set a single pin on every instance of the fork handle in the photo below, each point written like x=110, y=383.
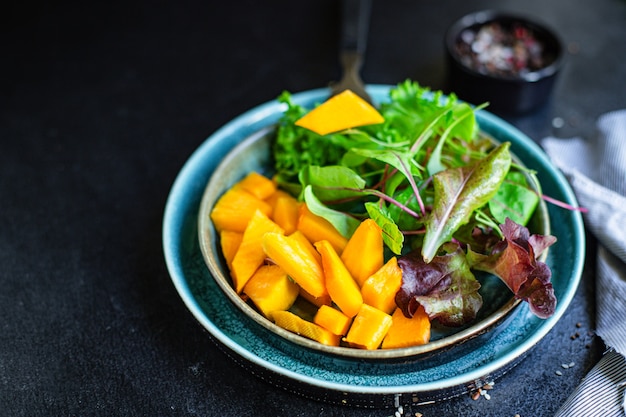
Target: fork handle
x=355, y=15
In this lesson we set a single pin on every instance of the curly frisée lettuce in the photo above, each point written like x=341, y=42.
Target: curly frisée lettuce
x=448, y=199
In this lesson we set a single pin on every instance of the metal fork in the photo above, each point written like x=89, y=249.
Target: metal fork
x=355, y=15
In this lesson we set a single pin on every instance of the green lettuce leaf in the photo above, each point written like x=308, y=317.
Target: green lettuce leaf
x=344, y=223
x=514, y=200
x=392, y=236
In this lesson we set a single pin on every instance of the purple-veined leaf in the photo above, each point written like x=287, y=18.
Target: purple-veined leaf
x=460, y=191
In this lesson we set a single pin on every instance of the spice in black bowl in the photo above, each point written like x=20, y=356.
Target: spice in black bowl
x=507, y=60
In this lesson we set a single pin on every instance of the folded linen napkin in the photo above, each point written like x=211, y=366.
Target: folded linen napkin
x=596, y=169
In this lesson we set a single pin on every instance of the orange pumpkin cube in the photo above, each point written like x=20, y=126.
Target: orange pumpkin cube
x=380, y=289
x=258, y=185
x=296, y=259
x=324, y=300
x=343, y=289
x=317, y=228
x=234, y=209
x=289, y=321
x=229, y=243
x=406, y=332
x=369, y=328
x=250, y=255
x=332, y=320
x=270, y=289
x=286, y=212
x=363, y=253
x=342, y=111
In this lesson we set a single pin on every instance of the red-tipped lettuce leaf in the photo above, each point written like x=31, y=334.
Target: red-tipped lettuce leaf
x=515, y=261
x=459, y=192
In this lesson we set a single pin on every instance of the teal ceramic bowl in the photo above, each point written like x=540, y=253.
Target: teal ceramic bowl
x=336, y=376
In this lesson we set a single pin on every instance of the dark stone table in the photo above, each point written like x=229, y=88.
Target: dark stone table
x=102, y=104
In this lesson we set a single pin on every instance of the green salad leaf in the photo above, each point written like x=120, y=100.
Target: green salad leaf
x=514, y=200
x=345, y=224
x=392, y=236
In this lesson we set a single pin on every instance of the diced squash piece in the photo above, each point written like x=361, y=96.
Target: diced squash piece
x=324, y=300
x=297, y=261
x=380, y=289
x=295, y=324
x=369, y=328
x=343, y=289
x=229, y=242
x=271, y=200
x=317, y=228
x=342, y=111
x=363, y=254
x=332, y=320
x=286, y=212
x=270, y=289
x=258, y=185
x=234, y=209
x=306, y=244
x=250, y=255
x=405, y=332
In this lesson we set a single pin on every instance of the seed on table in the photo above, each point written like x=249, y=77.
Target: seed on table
x=559, y=373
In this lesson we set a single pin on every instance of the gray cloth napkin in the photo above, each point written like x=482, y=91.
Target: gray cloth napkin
x=596, y=169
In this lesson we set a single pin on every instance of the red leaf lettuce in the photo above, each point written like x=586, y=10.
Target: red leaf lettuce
x=445, y=287
x=515, y=261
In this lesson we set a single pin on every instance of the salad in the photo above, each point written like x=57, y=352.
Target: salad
x=448, y=200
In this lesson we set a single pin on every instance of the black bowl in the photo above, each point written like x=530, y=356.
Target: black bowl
x=484, y=69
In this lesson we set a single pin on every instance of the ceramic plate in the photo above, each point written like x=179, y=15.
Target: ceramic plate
x=313, y=373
